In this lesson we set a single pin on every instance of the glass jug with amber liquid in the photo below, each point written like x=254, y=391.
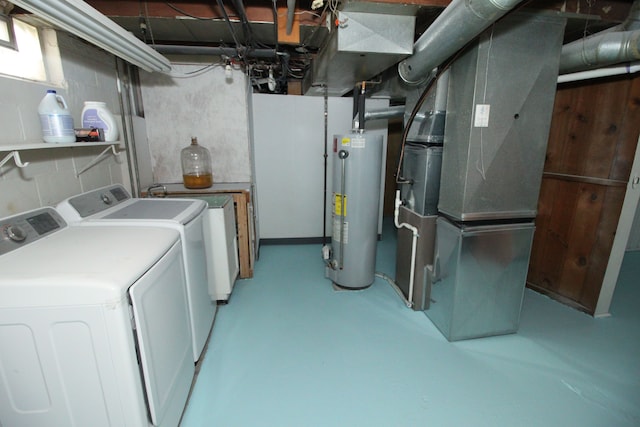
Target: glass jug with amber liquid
x=196, y=166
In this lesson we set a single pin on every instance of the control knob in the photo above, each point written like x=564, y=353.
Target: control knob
x=16, y=233
x=106, y=199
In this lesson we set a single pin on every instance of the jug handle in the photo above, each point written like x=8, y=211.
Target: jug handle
x=61, y=100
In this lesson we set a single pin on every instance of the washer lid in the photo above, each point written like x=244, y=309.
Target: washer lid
x=81, y=265
x=182, y=210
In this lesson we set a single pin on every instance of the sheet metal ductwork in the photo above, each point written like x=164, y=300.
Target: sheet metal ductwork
x=368, y=39
x=459, y=23
x=600, y=50
x=612, y=46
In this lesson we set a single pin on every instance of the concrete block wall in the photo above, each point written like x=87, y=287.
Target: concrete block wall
x=89, y=75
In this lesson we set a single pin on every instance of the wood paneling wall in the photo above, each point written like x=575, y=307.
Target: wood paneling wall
x=592, y=143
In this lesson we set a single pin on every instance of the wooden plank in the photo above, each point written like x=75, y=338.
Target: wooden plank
x=628, y=138
x=561, y=129
x=589, y=156
x=548, y=249
x=573, y=147
x=556, y=234
x=283, y=37
x=581, y=238
x=586, y=134
x=244, y=244
x=588, y=179
x=542, y=223
x=603, y=130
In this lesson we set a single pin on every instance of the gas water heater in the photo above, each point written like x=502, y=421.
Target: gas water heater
x=357, y=159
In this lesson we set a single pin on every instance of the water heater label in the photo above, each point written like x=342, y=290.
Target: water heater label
x=482, y=116
x=346, y=141
x=358, y=142
x=337, y=235
x=338, y=204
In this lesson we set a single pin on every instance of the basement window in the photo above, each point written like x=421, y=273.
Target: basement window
x=20, y=50
x=7, y=35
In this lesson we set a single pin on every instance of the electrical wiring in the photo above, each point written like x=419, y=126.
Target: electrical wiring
x=143, y=21
x=333, y=5
x=282, y=67
x=228, y=21
x=246, y=27
x=316, y=27
x=146, y=18
x=302, y=12
x=198, y=72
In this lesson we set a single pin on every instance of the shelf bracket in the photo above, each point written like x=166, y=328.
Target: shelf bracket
x=16, y=159
x=98, y=158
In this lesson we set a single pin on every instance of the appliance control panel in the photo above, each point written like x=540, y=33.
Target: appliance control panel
x=20, y=230
x=93, y=202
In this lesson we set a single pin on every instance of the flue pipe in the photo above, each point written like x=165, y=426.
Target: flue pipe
x=387, y=113
x=459, y=23
x=291, y=11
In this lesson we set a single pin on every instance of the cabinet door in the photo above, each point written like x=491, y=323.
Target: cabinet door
x=589, y=159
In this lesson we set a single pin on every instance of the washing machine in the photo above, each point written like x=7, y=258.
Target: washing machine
x=113, y=206
x=94, y=325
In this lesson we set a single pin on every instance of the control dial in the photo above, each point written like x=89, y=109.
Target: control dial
x=16, y=233
x=106, y=199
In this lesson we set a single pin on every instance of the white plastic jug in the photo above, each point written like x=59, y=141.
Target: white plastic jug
x=55, y=119
x=97, y=115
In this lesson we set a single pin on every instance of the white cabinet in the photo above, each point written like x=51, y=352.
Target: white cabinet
x=221, y=245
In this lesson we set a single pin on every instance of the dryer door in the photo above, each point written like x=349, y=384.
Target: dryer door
x=164, y=337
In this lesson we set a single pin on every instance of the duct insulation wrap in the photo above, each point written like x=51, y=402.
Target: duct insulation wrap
x=357, y=161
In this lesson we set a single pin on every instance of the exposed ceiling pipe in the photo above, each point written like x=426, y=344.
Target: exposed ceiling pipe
x=600, y=50
x=387, y=113
x=214, y=50
x=459, y=23
x=600, y=72
x=612, y=46
x=291, y=9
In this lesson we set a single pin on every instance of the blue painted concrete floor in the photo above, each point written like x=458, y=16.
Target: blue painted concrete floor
x=288, y=350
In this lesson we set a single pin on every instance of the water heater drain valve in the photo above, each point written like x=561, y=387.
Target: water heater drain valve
x=326, y=252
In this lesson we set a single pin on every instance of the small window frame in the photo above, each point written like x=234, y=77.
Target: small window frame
x=11, y=43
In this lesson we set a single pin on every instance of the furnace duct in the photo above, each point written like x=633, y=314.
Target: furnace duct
x=600, y=50
x=468, y=17
x=613, y=46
